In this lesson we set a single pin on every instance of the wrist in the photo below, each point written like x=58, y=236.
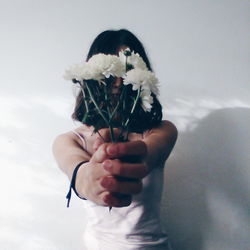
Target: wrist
x=81, y=181
x=73, y=182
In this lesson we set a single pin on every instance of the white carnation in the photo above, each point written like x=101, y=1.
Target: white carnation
x=134, y=59
x=142, y=78
x=137, y=61
x=97, y=68
x=82, y=71
x=146, y=100
x=107, y=65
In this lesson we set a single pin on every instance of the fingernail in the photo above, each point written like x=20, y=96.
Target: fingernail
x=107, y=165
x=106, y=198
x=105, y=182
x=112, y=150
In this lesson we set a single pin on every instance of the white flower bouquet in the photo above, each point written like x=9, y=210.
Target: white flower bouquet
x=104, y=108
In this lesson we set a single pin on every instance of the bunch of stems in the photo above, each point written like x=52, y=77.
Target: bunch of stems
x=107, y=112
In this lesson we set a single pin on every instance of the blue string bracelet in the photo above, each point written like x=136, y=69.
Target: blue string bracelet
x=72, y=183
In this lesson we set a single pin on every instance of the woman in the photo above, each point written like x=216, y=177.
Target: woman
x=104, y=174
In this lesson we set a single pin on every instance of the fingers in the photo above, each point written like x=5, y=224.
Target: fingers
x=120, y=149
x=128, y=170
x=116, y=200
x=105, y=197
x=98, y=142
x=122, y=186
x=118, y=177
x=101, y=154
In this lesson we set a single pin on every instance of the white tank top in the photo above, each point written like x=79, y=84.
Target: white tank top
x=128, y=228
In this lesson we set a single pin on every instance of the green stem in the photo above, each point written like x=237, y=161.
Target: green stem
x=124, y=125
x=109, y=114
x=101, y=114
x=96, y=105
x=112, y=133
x=106, y=99
x=134, y=105
x=124, y=91
x=117, y=105
x=100, y=135
x=84, y=97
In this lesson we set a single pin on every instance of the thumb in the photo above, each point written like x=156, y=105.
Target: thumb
x=97, y=143
x=100, y=154
x=105, y=151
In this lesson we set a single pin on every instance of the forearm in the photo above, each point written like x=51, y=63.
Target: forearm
x=68, y=153
x=160, y=142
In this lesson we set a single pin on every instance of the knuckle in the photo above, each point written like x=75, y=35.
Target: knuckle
x=108, y=183
x=113, y=185
x=122, y=147
x=118, y=169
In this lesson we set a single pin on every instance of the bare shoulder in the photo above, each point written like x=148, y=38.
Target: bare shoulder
x=77, y=137
x=165, y=128
x=71, y=136
x=64, y=139
x=85, y=131
x=169, y=127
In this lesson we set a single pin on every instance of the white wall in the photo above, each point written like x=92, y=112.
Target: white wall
x=206, y=203
x=200, y=53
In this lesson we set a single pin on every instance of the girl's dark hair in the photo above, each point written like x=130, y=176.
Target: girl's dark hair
x=109, y=42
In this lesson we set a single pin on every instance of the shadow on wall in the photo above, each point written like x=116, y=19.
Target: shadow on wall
x=206, y=204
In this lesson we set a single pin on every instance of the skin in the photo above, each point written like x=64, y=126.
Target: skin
x=107, y=178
